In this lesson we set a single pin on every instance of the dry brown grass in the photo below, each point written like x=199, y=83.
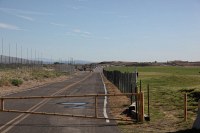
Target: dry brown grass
x=29, y=80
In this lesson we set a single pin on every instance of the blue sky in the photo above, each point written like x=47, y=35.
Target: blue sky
x=103, y=30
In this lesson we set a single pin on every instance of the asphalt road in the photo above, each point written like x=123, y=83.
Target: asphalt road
x=84, y=83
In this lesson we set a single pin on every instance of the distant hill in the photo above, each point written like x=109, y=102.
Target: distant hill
x=47, y=61
x=11, y=60
x=169, y=63
x=82, y=62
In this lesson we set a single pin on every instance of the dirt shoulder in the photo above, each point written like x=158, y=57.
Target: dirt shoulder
x=5, y=90
x=117, y=104
x=31, y=84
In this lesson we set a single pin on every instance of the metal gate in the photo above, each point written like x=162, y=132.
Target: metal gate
x=139, y=105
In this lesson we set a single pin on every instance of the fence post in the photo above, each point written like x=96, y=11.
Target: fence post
x=2, y=104
x=141, y=116
x=122, y=82
x=96, y=112
x=148, y=96
x=139, y=107
x=136, y=99
x=185, y=107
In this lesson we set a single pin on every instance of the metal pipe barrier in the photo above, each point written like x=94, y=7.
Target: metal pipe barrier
x=139, y=95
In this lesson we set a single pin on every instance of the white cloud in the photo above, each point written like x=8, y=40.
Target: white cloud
x=88, y=33
x=9, y=26
x=77, y=30
x=80, y=33
x=25, y=17
x=57, y=24
x=22, y=13
x=85, y=36
x=18, y=11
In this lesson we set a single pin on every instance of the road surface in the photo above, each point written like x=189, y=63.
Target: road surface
x=84, y=83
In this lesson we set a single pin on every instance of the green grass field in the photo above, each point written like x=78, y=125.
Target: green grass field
x=167, y=86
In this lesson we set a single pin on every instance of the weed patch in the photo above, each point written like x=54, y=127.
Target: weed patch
x=16, y=82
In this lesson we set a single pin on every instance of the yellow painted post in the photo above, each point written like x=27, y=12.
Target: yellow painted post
x=137, y=106
x=185, y=107
x=96, y=112
x=141, y=107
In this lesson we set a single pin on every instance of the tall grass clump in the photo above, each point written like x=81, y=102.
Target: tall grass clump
x=16, y=82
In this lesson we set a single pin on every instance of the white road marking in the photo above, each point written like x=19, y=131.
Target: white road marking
x=105, y=101
x=21, y=118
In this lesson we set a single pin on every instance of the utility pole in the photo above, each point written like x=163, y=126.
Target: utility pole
x=16, y=55
x=9, y=53
x=2, y=52
x=21, y=56
x=31, y=59
x=27, y=57
x=38, y=58
x=31, y=55
x=35, y=57
x=41, y=58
